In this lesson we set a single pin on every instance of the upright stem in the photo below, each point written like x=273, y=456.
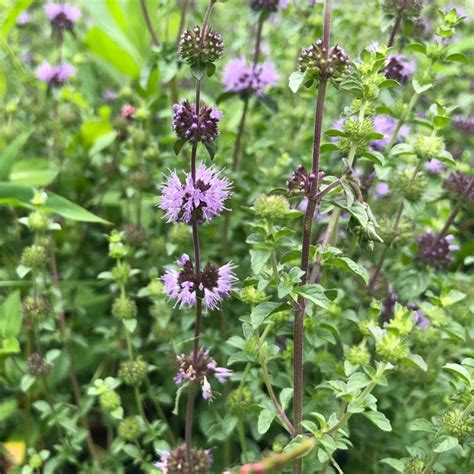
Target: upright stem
x=238, y=139
x=298, y=329
x=396, y=27
x=197, y=261
x=149, y=24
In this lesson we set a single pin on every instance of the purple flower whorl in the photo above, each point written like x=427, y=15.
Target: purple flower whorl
x=435, y=251
x=54, y=76
x=399, y=68
x=62, y=17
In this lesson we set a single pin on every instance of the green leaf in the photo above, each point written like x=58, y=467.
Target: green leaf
x=388, y=83
x=258, y=259
x=440, y=121
x=26, y=382
x=10, y=316
x=418, y=47
x=198, y=71
x=458, y=58
x=419, y=88
x=459, y=371
x=375, y=157
x=10, y=153
x=13, y=13
x=10, y=345
x=396, y=464
x=16, y=195
x=348, y=264
x=379, y=420
x=178, y=145
x=7, y=409
x=102, y=142
x=420, y=424
x=447, y=158
x=34, y=172
x=261, y=312
x=285, y=396
x=265, y=420
x=445, y=444
x=211, y=149
x=130, y=324
x=326, y=147
x=314, y=293
x=295, y=80
x=416, y=361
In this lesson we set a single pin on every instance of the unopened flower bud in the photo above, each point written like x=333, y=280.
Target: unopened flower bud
x=427, y=147
x=273, y=206
x=37, y=365
x=35, y=461
x=109, y=400
x=456, y=425
x=391, y=348
x=409, y=187
x=252, y=296
x=121, y=273
x=38, y=220
x=129, y=429
x=240, y=401
x=197, y=51
x=124, y=308
x=414, y=465
x=358, y=355
x=34, y=257
x=35, y=309
x=133, y=372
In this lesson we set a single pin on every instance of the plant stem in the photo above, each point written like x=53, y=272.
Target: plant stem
x=396, y=27
x=197, y=261
x=298, y=329
x=243, y=444
x=149, y=24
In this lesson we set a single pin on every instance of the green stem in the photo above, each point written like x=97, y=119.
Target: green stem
x=243, y=444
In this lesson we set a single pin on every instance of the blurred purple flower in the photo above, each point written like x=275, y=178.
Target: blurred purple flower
x=24, y=18
x=203, y=198
x=270, y=6
x=399, y=68
x=110, y=95
x=54, y=76
x=212, y=284
x=459, y=186
x=388, y=305
x=434, y=166
x=386, y=125
x=62, y=16
x=464, y=124
x=189, y=127
x=381, y=190
x=246, y=80
x=421, y=320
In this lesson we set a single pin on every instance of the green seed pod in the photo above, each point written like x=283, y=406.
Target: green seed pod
x=273, y=207
x=409, y=187
x=34, y=257
x=124, y=308
x=427, y=146
x=364, y=326
x=109, y=400
x=129, y=429
x=133, y=372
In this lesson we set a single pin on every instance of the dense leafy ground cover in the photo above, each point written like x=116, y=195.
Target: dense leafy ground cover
x=236, y=237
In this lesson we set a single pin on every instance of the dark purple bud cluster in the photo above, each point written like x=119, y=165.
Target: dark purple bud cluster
x=399, y=68
x=192, y=127
x=459, y=186
x=411, y=8
x=193, y=50
x=388, y=305
x=37, y=365
x=268, y=6
x=303, y=182
x=322, y=63
x=435, y=250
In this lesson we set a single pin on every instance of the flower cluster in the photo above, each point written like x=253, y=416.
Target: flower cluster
x=323, y=64
x=386, y=125
x=202, y=197
x=198, y=368
x=459, y=185
x=464, y=124
x=249, y=79
x=267, y=6
x=196, y=127
x=62, y=17
x=211, y=284
x=301, y=181
x=37, y=365
x=434, y=250
x=175, y=462
x=400, y=68
x=54, y=76
x=195, y=50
